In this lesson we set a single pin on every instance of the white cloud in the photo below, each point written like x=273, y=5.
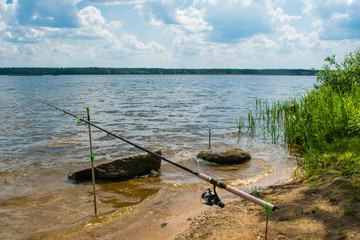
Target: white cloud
x=30, y=49
x=281, y=16
x=7, y=9
x=115, y=24
x=181, y=33
x=3, y=26
x=63, y=48
x=91, y=16
x=7, y=50
x=192, y=20
x=131, y=41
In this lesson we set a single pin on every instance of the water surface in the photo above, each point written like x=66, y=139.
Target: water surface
x=39, y=146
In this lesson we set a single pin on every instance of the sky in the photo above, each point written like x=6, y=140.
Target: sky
x=257, y=34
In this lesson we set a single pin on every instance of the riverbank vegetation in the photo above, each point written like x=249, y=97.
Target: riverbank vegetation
x=324, y=123
x=151, y=71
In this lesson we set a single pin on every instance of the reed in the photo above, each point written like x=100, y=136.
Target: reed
x=269, y=118
x=324, y=122
x=240, y=123
x=312, y=122
x=251, y=124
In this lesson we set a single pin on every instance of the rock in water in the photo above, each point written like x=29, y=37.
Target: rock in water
x=122, y=168
x=231, y=155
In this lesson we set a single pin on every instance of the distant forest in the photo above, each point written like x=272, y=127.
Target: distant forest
x=151, y=71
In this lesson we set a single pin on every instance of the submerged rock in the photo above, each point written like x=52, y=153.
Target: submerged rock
x=231, y=155
x=122, y=168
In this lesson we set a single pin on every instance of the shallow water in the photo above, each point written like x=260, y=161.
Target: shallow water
x=40, y=145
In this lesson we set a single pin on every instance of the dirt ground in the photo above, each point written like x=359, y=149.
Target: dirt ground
x=325, y=208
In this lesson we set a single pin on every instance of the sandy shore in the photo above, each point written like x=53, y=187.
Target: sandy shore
x=320, y=209
x=316, y=210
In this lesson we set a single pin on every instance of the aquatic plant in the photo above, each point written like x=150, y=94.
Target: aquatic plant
x=240, y=124
x=269, y=119
x=251, y=124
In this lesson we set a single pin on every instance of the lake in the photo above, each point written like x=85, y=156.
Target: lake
x=41, y=145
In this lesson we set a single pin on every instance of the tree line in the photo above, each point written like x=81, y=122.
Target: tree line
x=151, y=71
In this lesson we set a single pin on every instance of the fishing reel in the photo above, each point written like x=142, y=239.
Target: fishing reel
x=211, y=198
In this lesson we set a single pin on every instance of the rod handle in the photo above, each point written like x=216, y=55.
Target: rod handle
x=237, y=192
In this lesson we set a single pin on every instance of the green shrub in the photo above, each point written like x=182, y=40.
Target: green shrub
x=344, y=76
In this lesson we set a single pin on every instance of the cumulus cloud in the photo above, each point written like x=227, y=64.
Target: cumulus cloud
x=91, y=16
x=131, y=41
x=192, y=20
x=90, y=25
x=177, y=33
x=279, y=15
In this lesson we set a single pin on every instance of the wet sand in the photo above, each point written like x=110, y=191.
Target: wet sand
x=306, y=211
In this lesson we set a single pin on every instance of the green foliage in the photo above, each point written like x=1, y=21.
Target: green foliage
x=324, y=123
x=345, y=76
x=324, y=116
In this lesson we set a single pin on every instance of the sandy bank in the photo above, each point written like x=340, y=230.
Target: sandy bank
x=320, y=209
x=316, y=210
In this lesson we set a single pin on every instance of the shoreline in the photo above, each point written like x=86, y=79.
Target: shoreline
x=168, y=214
x=307, y=210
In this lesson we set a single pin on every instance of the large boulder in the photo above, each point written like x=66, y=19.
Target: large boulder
x=122, y=168
x=231, y=155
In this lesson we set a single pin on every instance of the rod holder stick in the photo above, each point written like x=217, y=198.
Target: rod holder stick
x=92, y=158
x=209, y=138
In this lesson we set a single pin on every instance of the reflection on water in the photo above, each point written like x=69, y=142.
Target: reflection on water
x=39, y=145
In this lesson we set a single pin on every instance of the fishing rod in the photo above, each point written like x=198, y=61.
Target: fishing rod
x=210, y=197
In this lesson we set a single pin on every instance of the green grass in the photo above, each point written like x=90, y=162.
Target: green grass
x=349, y=212
x=324, y=124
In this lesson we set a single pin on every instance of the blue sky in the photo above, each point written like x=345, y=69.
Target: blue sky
x=177, y=33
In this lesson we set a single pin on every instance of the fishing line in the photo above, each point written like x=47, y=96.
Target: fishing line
x=204, y=177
